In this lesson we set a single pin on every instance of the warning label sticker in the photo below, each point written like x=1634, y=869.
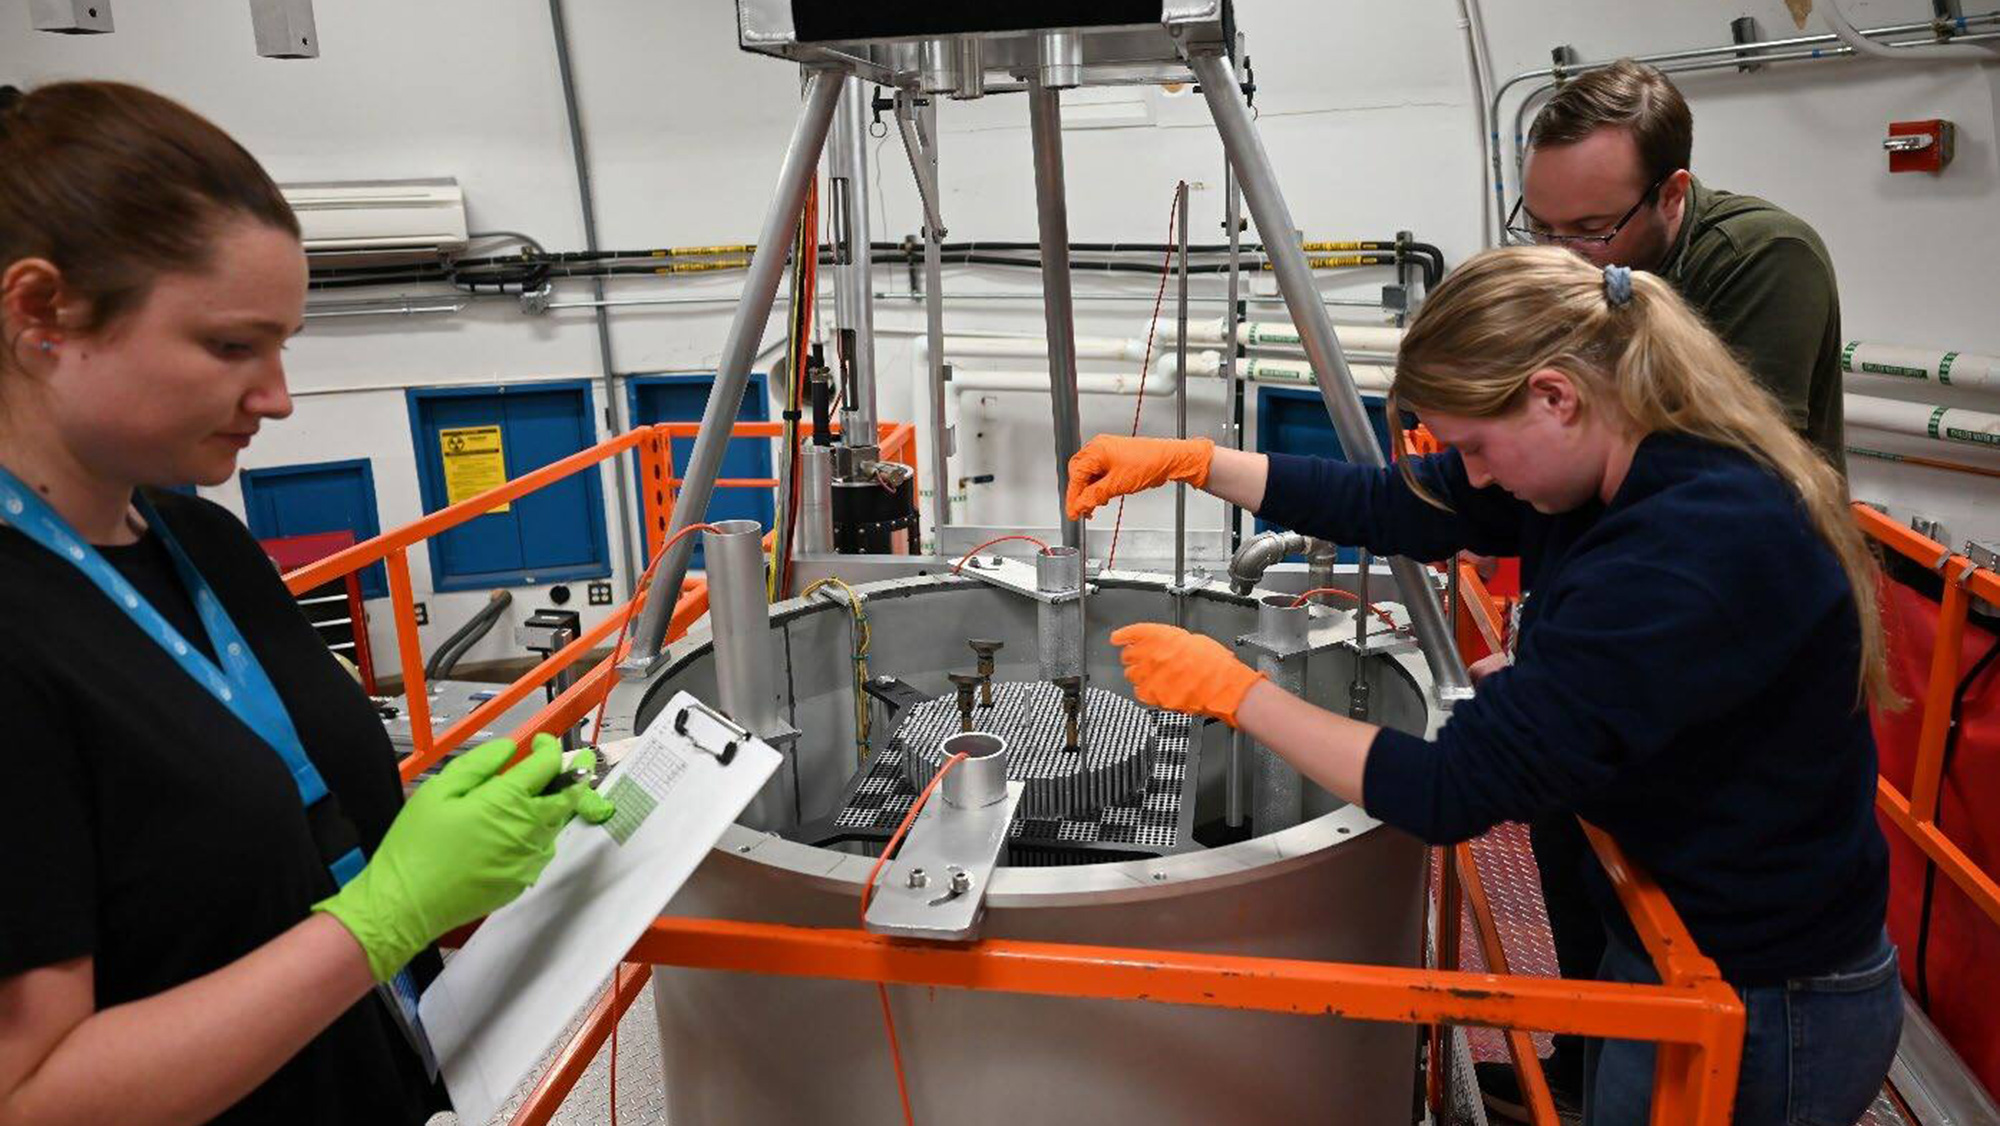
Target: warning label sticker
x=474, y=461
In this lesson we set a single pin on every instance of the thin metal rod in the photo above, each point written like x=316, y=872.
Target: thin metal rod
x=1232, y=218
x=1232, y=814
x=1052, y=218
x=1141, y=298
x=1180, y=409
x=1336, y=383
x=853, y=293
x=614, y=402
x=725, y=397
x=926, y=130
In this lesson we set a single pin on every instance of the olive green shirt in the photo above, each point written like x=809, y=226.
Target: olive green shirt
x=1764, y=281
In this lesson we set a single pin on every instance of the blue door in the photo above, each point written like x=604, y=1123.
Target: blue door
x=554, y=534
x=325, y=496
x=1292, y=420
x=683, y=398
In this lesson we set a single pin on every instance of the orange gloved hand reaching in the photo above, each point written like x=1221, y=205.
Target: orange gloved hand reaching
x=1110, y=467
x=1183, y=672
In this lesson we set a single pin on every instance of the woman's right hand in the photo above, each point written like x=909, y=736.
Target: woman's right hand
x=1111, y=466
x=467, y=842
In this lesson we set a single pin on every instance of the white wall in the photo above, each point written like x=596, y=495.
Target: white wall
x=1365, y=108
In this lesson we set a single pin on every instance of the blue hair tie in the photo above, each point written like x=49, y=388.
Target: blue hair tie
x=1617, y=285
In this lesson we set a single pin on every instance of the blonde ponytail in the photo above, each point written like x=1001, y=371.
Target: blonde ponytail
x=1505, y=314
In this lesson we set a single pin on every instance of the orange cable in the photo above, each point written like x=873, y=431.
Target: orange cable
x=868, y=895
x=989, y=543
x=625, y=634
x=1351, y=597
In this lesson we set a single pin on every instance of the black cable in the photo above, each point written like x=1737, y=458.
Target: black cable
x=1930, y=866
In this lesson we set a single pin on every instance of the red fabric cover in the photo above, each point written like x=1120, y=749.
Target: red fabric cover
x=1963, y=964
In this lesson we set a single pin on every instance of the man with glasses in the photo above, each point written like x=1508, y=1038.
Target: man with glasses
x=1606, y=175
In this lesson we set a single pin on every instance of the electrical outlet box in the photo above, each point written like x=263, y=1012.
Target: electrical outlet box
x=423, y=614
x=599, y=594
x=71, y=17
x=284, y=29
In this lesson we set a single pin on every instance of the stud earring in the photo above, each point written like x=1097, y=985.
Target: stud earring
x=48, y=345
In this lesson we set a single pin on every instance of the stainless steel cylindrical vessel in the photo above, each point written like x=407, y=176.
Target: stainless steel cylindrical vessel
x=754, y=1050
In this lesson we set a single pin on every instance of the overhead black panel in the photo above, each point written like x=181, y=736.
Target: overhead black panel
x=821, y=21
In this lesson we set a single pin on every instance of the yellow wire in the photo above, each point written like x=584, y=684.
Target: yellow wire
x=863, y=635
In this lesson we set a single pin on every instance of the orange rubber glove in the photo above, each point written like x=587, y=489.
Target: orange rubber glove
x=1183, y=672
x=1110, y=467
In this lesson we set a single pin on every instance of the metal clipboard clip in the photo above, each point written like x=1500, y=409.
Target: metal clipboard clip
x=732, y=733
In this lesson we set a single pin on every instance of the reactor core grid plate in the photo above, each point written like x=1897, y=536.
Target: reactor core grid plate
x=1154, y=820
x=1115, y=760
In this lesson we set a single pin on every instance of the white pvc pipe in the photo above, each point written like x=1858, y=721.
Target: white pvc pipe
x=1949, y=425
x=1932, y=365
x=1367, y=377
x=1838, y=23
x=1087, y=383
x=1266, y=334
x=1087, y=347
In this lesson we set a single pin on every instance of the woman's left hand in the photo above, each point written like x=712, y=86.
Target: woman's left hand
x=1183, y=672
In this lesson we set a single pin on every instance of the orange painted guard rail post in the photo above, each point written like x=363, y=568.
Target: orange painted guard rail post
x=1915, y=814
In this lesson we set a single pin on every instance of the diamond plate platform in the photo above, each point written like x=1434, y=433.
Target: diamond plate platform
x=1112, y=768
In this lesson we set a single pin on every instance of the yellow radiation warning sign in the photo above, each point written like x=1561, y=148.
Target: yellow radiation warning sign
x=474, y=462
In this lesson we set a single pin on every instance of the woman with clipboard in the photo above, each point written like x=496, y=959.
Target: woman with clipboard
x=218, y=906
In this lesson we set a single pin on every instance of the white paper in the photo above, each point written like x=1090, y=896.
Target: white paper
x=525, y=974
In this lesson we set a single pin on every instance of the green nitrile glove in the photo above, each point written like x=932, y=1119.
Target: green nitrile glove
x=467, y=842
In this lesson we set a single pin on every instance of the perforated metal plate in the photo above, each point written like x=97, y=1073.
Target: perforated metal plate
x=1111, y=768
x=1150, y=821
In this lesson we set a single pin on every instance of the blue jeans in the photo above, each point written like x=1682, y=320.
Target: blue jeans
x=1815, y=1049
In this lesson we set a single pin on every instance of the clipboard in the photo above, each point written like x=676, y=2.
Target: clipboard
x=525, y=974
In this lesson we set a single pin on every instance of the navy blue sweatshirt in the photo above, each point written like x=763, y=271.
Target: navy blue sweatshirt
x=1685, y=680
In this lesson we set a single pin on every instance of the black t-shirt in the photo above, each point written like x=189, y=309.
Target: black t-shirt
x=155, y=833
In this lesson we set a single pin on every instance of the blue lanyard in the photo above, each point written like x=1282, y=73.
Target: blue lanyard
x=239, y=682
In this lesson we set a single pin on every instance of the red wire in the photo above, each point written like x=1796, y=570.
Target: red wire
x=625, y=634
x=868, y=895
x=1159, y=299
x=1351, y=597
x=989, y=543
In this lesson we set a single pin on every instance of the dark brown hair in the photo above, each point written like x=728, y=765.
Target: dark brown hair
x=1626, y=95
x=117, y=185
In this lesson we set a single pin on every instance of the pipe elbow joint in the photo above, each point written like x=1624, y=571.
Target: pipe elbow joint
x=1247, y=566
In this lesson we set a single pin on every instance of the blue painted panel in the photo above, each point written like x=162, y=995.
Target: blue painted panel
x=1293, y=421
x=555, y=534
x=325, y=496
x=683, y=398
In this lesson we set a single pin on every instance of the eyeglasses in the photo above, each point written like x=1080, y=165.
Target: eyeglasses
x=1545, y=237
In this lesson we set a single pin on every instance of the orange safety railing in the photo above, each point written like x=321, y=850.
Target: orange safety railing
x=1695, y=1017
x=1915, y=813
x=1693, y=1014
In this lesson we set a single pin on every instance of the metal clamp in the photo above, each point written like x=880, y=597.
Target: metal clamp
x=959, y=834
x=733, y=735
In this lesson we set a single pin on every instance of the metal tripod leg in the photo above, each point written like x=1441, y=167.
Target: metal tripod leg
x=760, y=289
x=1336, y=383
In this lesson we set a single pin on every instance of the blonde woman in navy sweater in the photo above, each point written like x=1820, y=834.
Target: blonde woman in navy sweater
x=1694, y=661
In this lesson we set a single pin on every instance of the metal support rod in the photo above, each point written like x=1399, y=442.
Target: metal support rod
x=853, y=295
x=614, y=403
x=934, y=232
x=760, y=289
x=1357, y=689
x=1180, y=411
x=1058, y=312
x=1336, y=383
x=1233, y=801
x=1232, y=218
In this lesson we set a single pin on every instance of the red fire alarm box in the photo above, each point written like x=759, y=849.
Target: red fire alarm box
x=1919, y=146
